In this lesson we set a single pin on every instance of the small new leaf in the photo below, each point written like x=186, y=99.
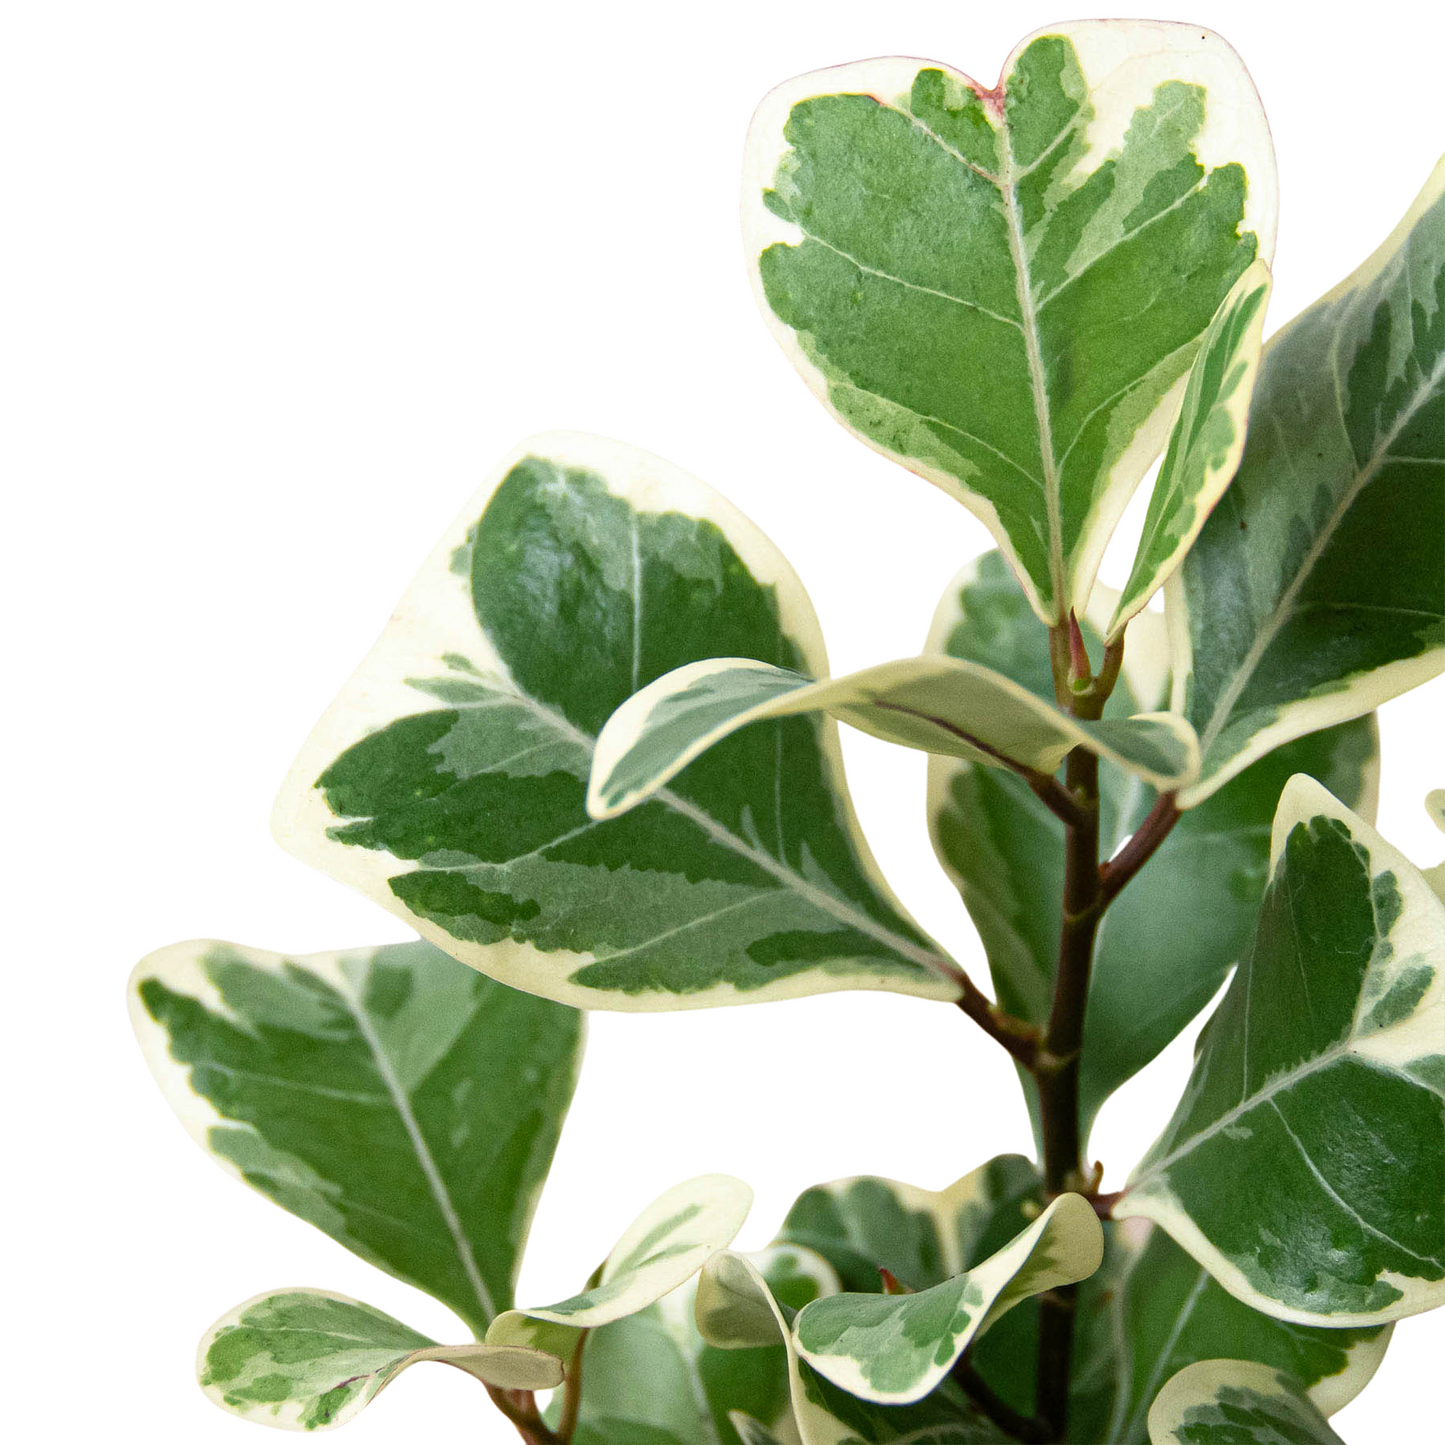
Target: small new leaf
x=1236, y=1402
x=895, y=1349
x=400, y=1102
x=1322, y=1072
x=304, y=1359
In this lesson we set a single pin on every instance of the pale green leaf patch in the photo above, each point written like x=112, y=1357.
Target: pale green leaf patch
x=1004, y=850
x=1323, y=1071
x=941, y=705
x=307, y=1360
x=661, y=1249
x=1236, y=1402
x=458, y=1086
x=448, y=780
x=736, y=1310
x=1206, y=443
x=1314, y=592
x=894, y=1349
x=1003, y=289
x=750, y=1432
x=1435, y=806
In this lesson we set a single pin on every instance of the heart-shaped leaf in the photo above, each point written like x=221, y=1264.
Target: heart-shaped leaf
x=1004, y=849
x=1236, y=1402
x=938, y=704
x=1149, y=1311
x=1206, y=443
x=1315, y=590
x=1004, y=288
x=1322, y=1071
x=303, y=1359
x=448, y=780
x=400, y=1102
x=895, y=1349
x=661, y=1249
x=737, y=1311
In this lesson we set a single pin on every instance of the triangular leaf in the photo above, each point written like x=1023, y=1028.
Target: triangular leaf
x=662, y=1248
x=1003, y=288
x=304, y=1359
x=393, y=1098
x=1315, y=591
x=448, y=779
x=1004, y=849
x=1206, y=443
x=894, y=1349
x=1236, y=1402
x=1323, y=1071
x=938, y=704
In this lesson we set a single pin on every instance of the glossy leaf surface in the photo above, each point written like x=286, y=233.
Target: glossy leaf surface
x=1235, y=1402
x=1003, y=288
x=1322, y=1072
x=1004, y=849
x=448, y=780
x=940, y=705
x=397, y=1100
x=894, y=1349
x=307, y=1360
x=1206, y=443
x=1315, y=591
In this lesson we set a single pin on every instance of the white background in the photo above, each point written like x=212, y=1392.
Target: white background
x=281, y=282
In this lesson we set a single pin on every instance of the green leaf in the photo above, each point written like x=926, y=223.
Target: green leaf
x=695, y=1393
x=1003, y=289
x=1315, y=591
x=938, y=704
x=582, y=571
x=1206, y=443
x=737, y=1311
x=1323, y=1072
x=749, y=1432
x=662, y=1248
x=922, y=1237
x=403, y=1104
x=894, y=1349
x=1235, y=1402
x=303, y=1359
x=1004, y=850
x=1149, y=1311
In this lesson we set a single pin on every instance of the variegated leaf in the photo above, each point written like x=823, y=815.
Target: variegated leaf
x=1322, y=1071
x=920, y=1236
x=1315, y=590
x=448, y=780
x=303, y=1359
x=1435, y=806
x=694, y=1392
x=749, y=1432
x=1003, y=289
x=895, y=1349
x=662, y=1248
x=1149, y=1311
x=1236, y=1402
x=940, y=705
x=1004, y=849
x=1206, y=443
x=737, y=1311
x=458, y=1086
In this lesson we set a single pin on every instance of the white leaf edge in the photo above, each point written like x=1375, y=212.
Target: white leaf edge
x=1122, y=62
x=1201, y=1382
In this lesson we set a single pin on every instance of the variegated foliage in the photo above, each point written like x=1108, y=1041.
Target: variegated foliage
x=1236, y=1402
x=1005, y=850
x=1315, y=590
x=662, y=1248
x=448, y=780
x=1003, y=288
x=1322, y=1074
